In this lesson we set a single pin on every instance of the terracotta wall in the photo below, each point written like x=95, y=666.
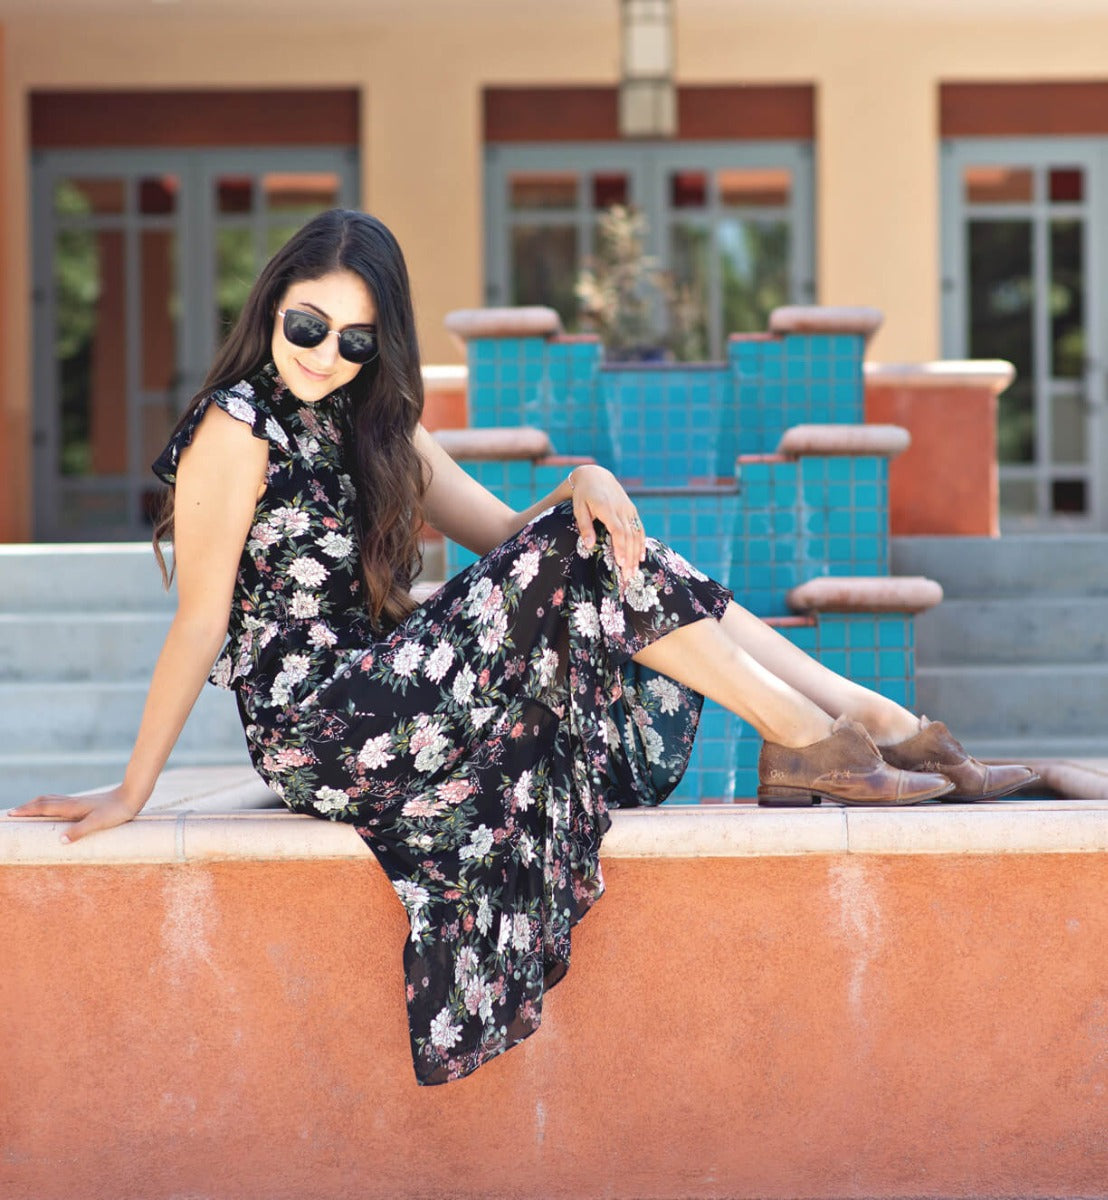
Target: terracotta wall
x=811, y=1026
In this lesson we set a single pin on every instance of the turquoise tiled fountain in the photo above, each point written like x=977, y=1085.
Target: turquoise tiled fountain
x=695, y=444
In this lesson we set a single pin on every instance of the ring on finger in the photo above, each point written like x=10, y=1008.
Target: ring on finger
x=636, y=524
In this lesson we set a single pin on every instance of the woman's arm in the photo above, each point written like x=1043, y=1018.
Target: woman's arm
x=458, y=506
x=220, y=478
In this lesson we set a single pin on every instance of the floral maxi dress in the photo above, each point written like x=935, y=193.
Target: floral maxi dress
x=477, y=746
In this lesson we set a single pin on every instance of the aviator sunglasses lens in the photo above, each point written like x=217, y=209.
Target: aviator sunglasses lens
x=305, y=330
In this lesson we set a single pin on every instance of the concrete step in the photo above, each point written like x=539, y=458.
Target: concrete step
x=56, y=646
x=1031, y=629
x=982, y=703
x=84, y=578
x=1020, y=749
x=59, y=718
x=24, y=776
x=1014, y=565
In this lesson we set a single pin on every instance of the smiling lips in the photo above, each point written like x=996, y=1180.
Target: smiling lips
x=309, y=372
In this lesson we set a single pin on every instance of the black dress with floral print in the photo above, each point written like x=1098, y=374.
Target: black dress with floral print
x=477, y=746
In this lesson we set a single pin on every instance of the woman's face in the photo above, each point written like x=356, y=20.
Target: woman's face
x=342, y=300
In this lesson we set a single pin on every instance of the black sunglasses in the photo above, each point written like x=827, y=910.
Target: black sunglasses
x=307, y=330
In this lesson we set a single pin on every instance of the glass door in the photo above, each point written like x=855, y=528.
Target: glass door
x=1023, y=271
x=731, y=222
x=142, y=260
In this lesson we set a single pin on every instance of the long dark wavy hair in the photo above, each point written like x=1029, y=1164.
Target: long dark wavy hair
x=387, y=394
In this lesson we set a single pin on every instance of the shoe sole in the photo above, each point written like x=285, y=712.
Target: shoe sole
x=781, y=797
x=1016, y=787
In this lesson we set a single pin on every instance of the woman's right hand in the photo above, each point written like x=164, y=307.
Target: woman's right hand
x=93, y=812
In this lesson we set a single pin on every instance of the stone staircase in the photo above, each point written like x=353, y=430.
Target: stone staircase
x=1015, y=659
x=80, y=629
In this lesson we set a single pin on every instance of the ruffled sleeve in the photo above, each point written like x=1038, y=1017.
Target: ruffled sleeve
x=245, y=401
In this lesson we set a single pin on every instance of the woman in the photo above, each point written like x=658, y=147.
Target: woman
x=475, y=742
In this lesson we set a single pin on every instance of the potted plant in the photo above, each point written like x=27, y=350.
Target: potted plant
x=639, y=311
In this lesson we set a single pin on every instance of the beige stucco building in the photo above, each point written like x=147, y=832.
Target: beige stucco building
x=943, y=160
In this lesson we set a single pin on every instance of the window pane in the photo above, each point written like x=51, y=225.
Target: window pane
x=84, y=509
x=544, y=268
x=999, y=185
x=89, y=351
x=235, y=194
x=159, y=309
x=81, y=197
x=1068, y=496
x=307, y=192
x=608, y=190
x=754, y=259
x=543, y=190
x=1069, y=440
x=1018, y=498
x=1067, y=185
x=754, y=189
x=691, y=247
x=688, y=189
x=235, y=270
x=157, y=196
x=1067, y=298
x=1000, y=322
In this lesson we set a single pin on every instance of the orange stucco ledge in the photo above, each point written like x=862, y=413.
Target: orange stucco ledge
x=826, y=318
x=470, y=445
x=882, y=441
x=523, y=321
x=992, y=373
x=860, y=593
x=184, y=824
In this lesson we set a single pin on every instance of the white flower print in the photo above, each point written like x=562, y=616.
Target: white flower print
x=335, y=545
x=406, y=660
x=478, y=998
x=526, y=848
x=438, y=662
x=275, y=433
x=483, y=919
x=304, y=606
x=491, y=638
x=263, y=535
x=611, y=617
x=677, y=563
x=480, y=843
x=480, y=717
x=466, y=964
x=412, y=895
x=478, y=594
x=374, y=755
x=221, y=672
x=585, y=620
x=521, y=793
x=642, y=596
x=521, y=932
x=321, y=636
x=526, y=567
x=294, y=669
x=444, y=1034
x=463, y=684
x=238, y=408
x=308, y=446
x=293, y=521
x=583, y=551
x=308, y=572
x=547, y=668
x=429, y=745
x=243, y=388
x=667, y=693
x=329, y=800
x=654, y=744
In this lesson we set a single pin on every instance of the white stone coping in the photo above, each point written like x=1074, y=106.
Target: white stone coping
x=188, y=833
x=992, y=373
x=446, y=377
x=826, y=318
x=881, y=441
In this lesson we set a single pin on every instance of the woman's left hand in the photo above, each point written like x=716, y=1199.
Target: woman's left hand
x=598, y=496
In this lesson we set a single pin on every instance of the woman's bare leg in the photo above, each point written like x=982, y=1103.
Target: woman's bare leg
x=886, y=720
x=707, y=658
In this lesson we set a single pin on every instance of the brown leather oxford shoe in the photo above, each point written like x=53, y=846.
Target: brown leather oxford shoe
x=935, y=748
x=844, y=768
